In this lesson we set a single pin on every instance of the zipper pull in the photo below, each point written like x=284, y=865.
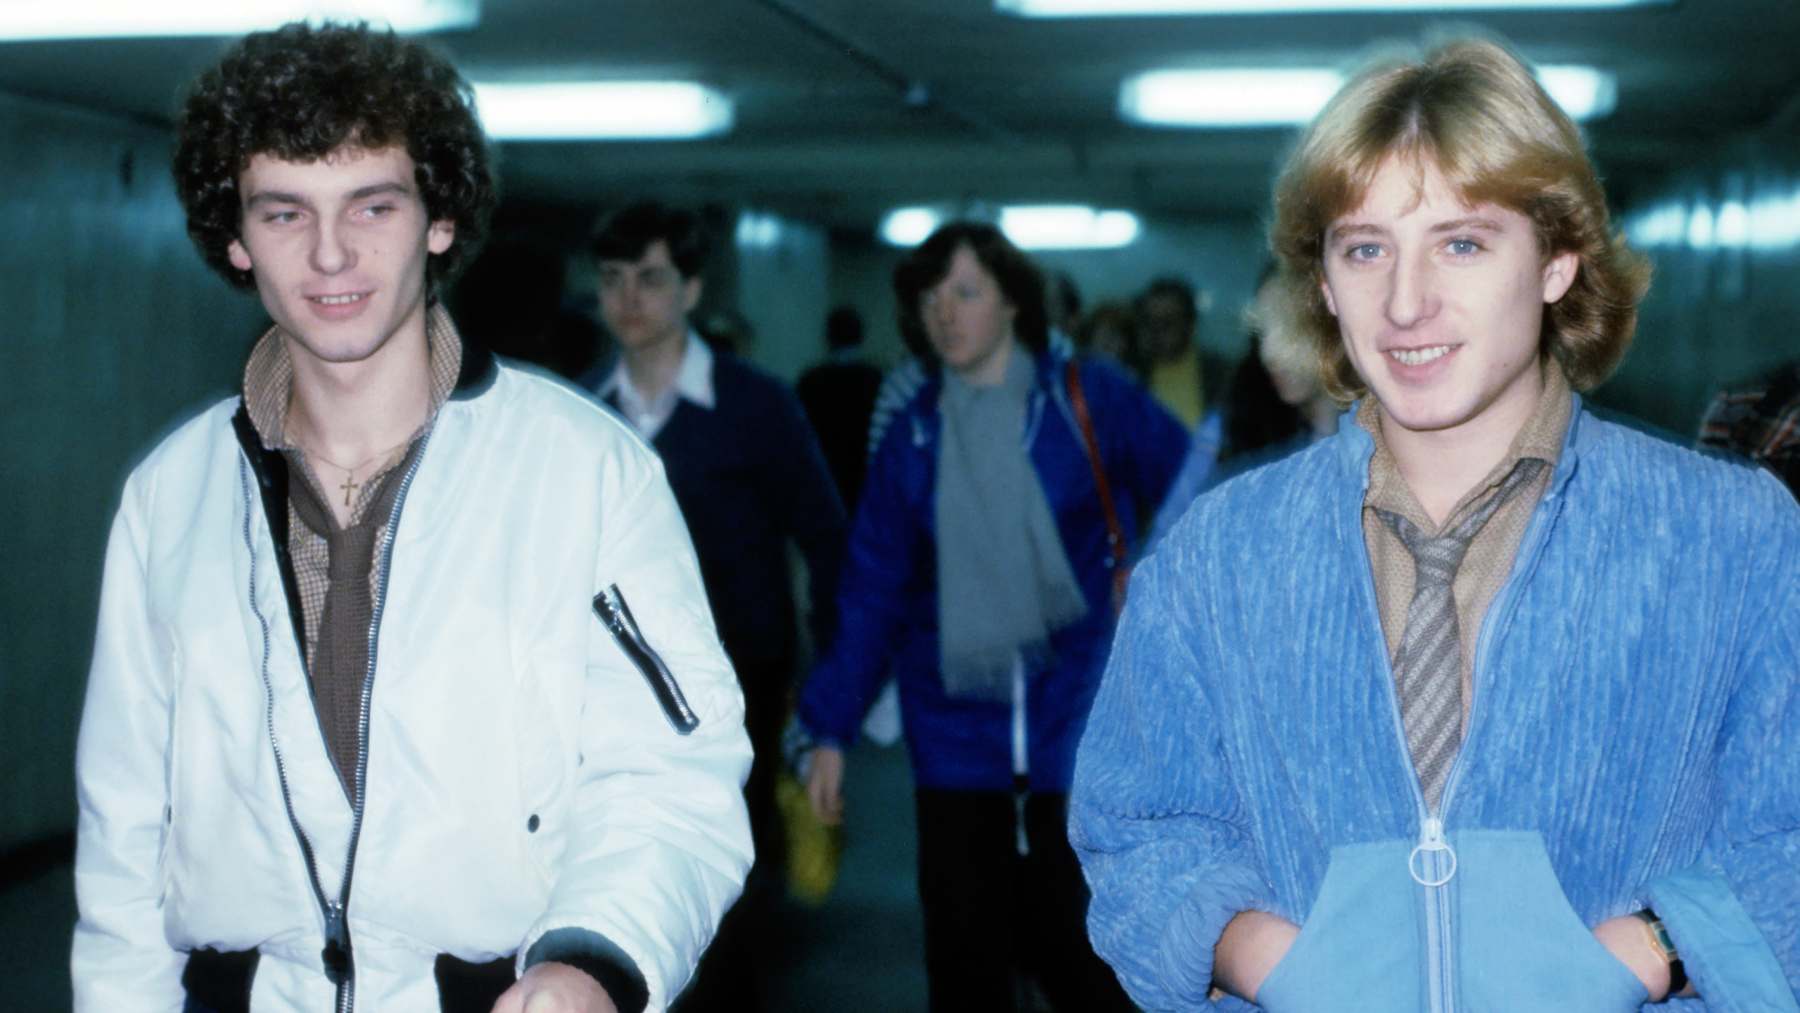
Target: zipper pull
x=336, y=954
x=1433, y=854
x=615, y=615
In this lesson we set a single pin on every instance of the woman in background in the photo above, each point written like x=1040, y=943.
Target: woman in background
x=979, y=571
x=1277, y=404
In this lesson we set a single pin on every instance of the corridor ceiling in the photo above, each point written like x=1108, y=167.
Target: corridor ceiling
x=848, y=107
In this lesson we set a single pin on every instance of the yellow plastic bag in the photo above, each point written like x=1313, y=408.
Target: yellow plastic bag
x=813, y=849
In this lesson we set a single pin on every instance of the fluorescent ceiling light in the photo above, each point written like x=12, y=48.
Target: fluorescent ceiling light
x=758, y=231
x=1227, y=98
x=909, y=226
x=1067, y=227
x=1583, y=92
x=1266, y=97
x=104, y=19
x=1125, y=8
x=594, y=110
x=1029, y=226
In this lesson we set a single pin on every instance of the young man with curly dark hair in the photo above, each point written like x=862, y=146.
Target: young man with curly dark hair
x=405, y=691
x=1485, y=702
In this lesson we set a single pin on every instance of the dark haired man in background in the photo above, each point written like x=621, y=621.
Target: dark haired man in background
x=750, y=479
x=839, y=397
x=405, y=682
x=1168, y=329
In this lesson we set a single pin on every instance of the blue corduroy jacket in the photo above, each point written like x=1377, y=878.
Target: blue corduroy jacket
x=1634, y=740
x=887, y=593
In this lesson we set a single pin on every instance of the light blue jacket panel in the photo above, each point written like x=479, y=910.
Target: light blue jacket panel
x=1634, y=739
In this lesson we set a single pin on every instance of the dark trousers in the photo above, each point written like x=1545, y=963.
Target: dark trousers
x=992, y=914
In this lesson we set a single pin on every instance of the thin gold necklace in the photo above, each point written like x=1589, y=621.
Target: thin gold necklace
x=350, y=485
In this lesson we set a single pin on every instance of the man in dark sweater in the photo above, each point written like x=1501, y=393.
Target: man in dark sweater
x=749, y=477
x=839, y=397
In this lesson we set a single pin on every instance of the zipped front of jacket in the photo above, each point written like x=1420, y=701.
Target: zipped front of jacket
x=338, y=954
x=1432, y=862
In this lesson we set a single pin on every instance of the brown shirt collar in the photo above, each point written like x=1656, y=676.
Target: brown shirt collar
x=269, y=376
x=1541, y=437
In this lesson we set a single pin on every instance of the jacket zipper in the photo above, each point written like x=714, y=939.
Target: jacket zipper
x=1021, y=758
x=1021, y=742
x=338, y=955
x=1432, y=862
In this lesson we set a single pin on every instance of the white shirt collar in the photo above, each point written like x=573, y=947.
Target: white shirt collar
x=693, y=382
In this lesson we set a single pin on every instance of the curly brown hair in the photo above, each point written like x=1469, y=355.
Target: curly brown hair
x=301, y=92
x=1474, y=110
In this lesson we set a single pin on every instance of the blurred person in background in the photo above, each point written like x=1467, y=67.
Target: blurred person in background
x=750, y=479
x=839, y=397
x=1168, y=347
x=980, y=573
x=1277, y=404
x=1109, y=331
x=1065, y=304
x=1760, y=419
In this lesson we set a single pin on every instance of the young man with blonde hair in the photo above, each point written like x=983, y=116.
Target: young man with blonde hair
x=1483, y=703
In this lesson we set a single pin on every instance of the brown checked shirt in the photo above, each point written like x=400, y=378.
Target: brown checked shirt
x=1490, y=557
x=268, y=386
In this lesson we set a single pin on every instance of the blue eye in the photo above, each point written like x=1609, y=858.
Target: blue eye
x=1464, y=247
x=1363, y=251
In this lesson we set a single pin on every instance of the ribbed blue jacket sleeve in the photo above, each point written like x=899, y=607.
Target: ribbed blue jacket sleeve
x=1735, y=914
x=885, y=542
x=1154, y=813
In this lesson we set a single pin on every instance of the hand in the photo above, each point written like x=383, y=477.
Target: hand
x=1251, y=945
x=551, y=987
x=825, y=784
x=1626, y=939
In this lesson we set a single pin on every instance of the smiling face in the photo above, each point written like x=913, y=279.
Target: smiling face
x=338, y=248
x=1441, y=304
x=968, y=320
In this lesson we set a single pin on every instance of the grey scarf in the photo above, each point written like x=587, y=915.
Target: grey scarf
x=1004, y=582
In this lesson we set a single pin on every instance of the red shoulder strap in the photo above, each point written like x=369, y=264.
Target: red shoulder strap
x=1115, y=532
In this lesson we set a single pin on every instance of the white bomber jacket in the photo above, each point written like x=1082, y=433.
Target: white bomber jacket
x=520, y=774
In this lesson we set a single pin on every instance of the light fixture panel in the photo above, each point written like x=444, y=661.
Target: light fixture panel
x=601, y=110
x=1245, y=97
x=22, y=20
x=1028, y=226
x=1283, y=97
x=1154, y=8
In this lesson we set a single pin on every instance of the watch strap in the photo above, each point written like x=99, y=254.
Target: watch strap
x=1661, y=941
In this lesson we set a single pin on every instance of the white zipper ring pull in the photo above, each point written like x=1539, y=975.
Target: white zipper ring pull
x=1431, y=839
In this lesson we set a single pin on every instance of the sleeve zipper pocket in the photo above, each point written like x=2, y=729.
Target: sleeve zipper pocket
x=615, y=615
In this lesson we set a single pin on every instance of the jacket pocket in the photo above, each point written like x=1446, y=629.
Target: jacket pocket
x=1522, y=946
x=1360, y=946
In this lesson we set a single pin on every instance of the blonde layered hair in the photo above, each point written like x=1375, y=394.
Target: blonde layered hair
x=1472, y=109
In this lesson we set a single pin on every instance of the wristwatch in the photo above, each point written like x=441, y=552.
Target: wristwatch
x=1662, y=944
